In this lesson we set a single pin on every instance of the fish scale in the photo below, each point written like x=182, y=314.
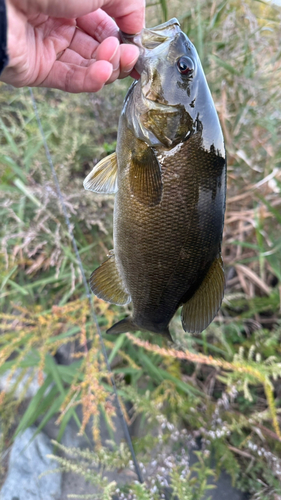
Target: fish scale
x=169, y=176
x=168, y=228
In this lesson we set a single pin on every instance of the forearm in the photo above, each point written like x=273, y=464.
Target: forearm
x=3, y=36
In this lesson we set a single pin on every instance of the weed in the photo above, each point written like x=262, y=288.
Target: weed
x=224, y=385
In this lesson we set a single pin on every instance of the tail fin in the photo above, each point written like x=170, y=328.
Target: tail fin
x=125, y=325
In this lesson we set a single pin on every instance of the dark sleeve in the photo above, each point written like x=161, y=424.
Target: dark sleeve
x=3, y=36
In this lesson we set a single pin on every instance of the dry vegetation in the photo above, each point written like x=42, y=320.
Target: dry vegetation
x=225, y=388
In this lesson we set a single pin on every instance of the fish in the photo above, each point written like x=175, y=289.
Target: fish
x=169, y=178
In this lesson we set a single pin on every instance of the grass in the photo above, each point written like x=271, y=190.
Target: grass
x=224, y=386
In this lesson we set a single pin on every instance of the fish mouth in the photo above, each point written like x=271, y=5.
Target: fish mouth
x=151, y=39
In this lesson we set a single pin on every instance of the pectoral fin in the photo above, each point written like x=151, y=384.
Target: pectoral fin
x=106, y=283
x=199, y=311
x=145, y=176
x=103, y=177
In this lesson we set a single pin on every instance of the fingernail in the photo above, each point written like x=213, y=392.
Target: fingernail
x=132, y=64
x=115, y=68
x=114, y=53
x=110, y=73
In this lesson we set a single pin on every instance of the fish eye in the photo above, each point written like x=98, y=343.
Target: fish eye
x=185, y=65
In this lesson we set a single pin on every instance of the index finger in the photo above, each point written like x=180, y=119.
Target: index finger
x=98, y=25
x=128, y=14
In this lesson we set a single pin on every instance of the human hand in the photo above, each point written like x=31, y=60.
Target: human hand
x=70, y=45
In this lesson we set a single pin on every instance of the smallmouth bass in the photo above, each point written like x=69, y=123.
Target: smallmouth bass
x=169, y=176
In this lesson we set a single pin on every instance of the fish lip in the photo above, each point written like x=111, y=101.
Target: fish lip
x=135, y=38
x=172, y=22
x=149, y=39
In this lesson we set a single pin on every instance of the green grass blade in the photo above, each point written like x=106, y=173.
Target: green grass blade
x=224, y=65
x=272, y=209
x=69, y=414
x=118, y=344
x=7, y=160
x=9, y=138
x=17, y=287
x=22, y=187
x=164, y=8
x=32, y=411
x=54, y=408
x=150, y=367
x=52, y=369
x=7, y=277
x=183, y=386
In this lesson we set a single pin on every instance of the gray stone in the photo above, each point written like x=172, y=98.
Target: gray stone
x=223, y=488
x=76, y=485
x=64, y=354
x=28, y=461
x=28, y=383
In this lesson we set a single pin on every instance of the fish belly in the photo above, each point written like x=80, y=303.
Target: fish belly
x=164, y=251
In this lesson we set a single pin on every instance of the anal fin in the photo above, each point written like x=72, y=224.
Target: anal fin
x=198, y=312
x=123, y=326
x=128, y=325
x=106, y=283
x=103, y=177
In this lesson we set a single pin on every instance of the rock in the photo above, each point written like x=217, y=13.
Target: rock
x=224, y=489
x=28, y=461
x=29, y=379
x=73, y=483
x=223, y=486
x=64, y=354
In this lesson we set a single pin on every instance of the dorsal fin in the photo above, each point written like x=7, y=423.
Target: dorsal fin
x=103, y=177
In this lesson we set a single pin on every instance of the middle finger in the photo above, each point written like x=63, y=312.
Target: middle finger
x=98, y=25
x=83, y=44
